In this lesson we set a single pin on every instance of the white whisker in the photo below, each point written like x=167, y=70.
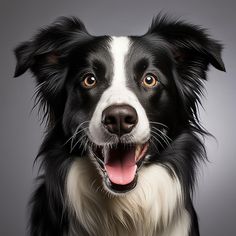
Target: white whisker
x=162, y=133
x=157, y=140
x=163, y=138
x=158, y=123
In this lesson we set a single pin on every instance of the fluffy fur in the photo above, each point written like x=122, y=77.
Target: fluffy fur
x=72, y=197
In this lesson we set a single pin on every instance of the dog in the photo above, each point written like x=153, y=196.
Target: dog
x=123, y=139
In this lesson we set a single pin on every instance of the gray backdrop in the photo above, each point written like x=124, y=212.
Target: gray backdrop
x=21, y=133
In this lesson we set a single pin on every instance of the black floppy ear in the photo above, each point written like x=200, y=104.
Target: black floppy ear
x=27, y=57
x=24, y=58
x=49, y=44
x=46, y=56
x=193, y=51
x=188, y=40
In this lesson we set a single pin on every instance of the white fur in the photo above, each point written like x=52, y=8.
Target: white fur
x=118, y=93
x=154, y=207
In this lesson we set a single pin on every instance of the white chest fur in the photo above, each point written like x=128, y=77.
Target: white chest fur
x=154, y=207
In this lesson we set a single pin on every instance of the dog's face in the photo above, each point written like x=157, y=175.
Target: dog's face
x=120, y=100
x=113, y=92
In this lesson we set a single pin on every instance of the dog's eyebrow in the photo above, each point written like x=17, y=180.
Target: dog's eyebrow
x=98, y=65
x=141, y=65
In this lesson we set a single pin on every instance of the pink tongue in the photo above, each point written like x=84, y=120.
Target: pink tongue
x=120, y=165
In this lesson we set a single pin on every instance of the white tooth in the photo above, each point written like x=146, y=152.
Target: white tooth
x=137, y=151
x=105, y=154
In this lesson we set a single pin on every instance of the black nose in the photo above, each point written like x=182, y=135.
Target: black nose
x=119, y=119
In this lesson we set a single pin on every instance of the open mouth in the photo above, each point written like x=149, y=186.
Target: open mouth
x=120, y=163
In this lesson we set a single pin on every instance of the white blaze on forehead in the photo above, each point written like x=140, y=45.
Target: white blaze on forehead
x=119, y=49
x=119, y=93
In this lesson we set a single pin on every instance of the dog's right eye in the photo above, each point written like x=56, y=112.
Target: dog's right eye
x=89, y=81
x=150, y=81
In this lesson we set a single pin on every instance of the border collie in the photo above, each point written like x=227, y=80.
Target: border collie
x=123, y=137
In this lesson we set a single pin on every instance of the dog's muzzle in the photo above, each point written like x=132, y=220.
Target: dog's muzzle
x=120, y=161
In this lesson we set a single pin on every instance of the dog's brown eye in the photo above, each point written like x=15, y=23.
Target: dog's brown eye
x=89, y=81
x=150, y=81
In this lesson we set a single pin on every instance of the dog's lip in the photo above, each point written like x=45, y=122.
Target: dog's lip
x=140, y=153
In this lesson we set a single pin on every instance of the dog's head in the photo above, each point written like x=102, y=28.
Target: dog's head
x=121, y=100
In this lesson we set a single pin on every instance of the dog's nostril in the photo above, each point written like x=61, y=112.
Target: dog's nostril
x=119, y=119
x=110, y=120
x=130, y=120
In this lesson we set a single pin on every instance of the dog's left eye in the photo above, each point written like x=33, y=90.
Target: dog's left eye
x=149, y=81
x=89, y=81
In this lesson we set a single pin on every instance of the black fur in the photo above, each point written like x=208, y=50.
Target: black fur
x=56, y=56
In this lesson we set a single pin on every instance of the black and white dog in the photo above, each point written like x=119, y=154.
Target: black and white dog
x=123, y=137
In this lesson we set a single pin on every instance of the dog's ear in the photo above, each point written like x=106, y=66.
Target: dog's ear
x=188, y=42
x=46, y=56
x=23, y=56
x=49, y=45
x=193, y=51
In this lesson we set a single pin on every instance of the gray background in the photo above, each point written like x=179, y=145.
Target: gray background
x=21, y=133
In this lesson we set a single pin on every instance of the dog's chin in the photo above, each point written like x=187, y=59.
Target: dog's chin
x=119, y=164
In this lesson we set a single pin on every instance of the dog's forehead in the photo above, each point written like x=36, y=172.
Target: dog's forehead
x=119, y=48
x=128, y=49
x=112, y=53
x=130, y=54
x=121, y=56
